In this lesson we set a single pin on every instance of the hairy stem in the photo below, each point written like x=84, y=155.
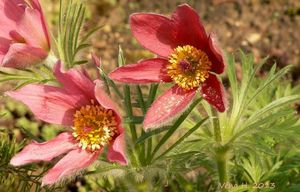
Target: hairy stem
x=220, y=150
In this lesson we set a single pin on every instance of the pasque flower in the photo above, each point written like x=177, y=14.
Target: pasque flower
x=187, y=56
x=24, y=38
x=81, y=104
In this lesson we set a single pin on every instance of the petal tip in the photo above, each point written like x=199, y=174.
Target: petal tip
x=15, y=161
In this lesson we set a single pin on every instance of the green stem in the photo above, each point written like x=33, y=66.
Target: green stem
x=142, y=105
x=216, y=125
x=220, y=150
x=151, y=97
x=51, y=60
x=128, y=108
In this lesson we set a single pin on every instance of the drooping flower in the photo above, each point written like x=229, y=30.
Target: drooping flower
x=187, y=56
x=81, y=104
x=24, y=38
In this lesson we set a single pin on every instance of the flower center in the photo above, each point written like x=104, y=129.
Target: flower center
x=94, y=126
x=188, y=67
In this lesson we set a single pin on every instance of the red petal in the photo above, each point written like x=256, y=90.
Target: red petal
x=167, y=107
x=35, y=152
x=74, y=162
x=213, y=92
x=154, y=32
x=146, y=71
x=189, y=28
x=215, y=55
x=161, y=35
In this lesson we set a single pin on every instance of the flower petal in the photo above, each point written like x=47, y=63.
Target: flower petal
x=215, y=55
x=154, y=32
x=4, y=46
x=32, y=28
x=167, y=107
x=116, y=152
x=48, y=103
x=10, y=12
x=104, y=100
x=36, y=5
x=72, y=163
x=75, y=81
x=21, y=55
x=213, y=92
x=46, y=151
x=161, y=35
x=96, y=61
x=189, y=28
x=146, y=71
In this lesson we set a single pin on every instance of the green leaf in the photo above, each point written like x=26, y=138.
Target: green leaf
x=151, y=133
x=181, y=139
x=71, y=22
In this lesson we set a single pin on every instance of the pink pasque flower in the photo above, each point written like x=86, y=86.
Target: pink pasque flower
x=188, y=57
x=24, y=38
x=81, y=104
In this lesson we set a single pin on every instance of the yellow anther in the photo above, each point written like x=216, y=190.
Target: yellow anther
x=94, y=126
x=188, y=67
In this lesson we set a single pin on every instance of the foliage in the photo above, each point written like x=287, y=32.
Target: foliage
x=70, y=26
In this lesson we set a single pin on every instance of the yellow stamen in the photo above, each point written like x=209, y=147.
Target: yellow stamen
x=188, y=67
x=94, y=126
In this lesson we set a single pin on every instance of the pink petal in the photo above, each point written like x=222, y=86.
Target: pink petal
x=46, y=151
x=104, y=100
x=189, y=28
x=116, y=152
x=167, y=107
x=213, y=92
x=96, y=61
x=21, y=55
x=36, y=5
x=4, y=46
x=32, y=27
x=146, y=71
x=48, y=103
x=74, y=162
x=75, y=81
x=10, y=12
x=215, y=55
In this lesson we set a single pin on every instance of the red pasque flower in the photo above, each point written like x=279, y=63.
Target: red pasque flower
x=187, y=56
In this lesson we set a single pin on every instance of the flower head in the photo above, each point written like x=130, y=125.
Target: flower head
x=81, y=104
x=187, y=56
x=24, y=38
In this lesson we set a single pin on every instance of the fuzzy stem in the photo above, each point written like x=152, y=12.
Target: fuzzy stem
x=128, y=108
x=221, y=151
x=51, y=60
